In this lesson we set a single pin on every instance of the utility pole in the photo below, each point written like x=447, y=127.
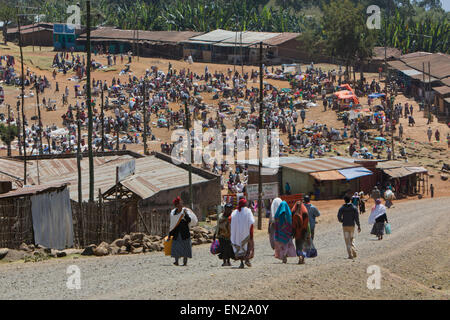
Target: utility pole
x=429, y=84
x=9, y=129
x=80, y=193
x=19, y=138
x=103, y=120
x=23, y=102
x=261, y=99
x=423, y=79
x=144, y=110
x=40, y=120
x=89, y=102
x=188, y=116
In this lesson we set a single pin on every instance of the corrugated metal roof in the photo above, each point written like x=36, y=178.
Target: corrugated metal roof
x=397, y=172
x=282, y=38
x=273, y=162
x=158, y=174
x=446, y=81
x=160, y=36
x=444, y=90
x=31, y=190
x=398, y=65
x=393, y=164
x=327, y=175
x=214, y=36
x=439, y=63
x=378, y=53
x=317, y=165
x=248, y=37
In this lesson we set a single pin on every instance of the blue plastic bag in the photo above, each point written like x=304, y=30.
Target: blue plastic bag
x=387, y=228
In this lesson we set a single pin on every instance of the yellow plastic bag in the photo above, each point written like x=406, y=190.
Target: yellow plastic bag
x=168, y=246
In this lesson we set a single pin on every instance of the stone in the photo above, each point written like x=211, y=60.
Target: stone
x=73, y=251
x=123, y=250
x=137, y=250
x=154, y=247
x=118, y=243
x=114, y=249
x=127, y=239
x=24, y=247
x=101, y=251
x=89, y=250
x=31, y=247
x=60, y=254
x=199, y=229
x=160, y=247
x=3, y=252
x=137, y=244
x=137, y=236
x=209, y=241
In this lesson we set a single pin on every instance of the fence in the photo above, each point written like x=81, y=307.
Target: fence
x=16, y=224
x=93, y=222
x=156, y=220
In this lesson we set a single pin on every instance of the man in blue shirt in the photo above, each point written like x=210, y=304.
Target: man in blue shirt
x=313, y=213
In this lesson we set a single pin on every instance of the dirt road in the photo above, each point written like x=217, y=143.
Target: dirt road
x=414, y=263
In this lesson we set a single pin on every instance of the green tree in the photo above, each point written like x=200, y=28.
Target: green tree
x=7, y=135
x=7, y=15
x=346, y=32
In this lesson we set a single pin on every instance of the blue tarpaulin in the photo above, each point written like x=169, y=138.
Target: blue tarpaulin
x=354, y=173
x=376, y=95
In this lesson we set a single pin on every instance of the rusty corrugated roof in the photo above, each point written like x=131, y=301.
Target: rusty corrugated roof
x=318, y=165
x=105, y=33
x=282, y=38
x=439, y=63
x=152, y=174
x=31, y=190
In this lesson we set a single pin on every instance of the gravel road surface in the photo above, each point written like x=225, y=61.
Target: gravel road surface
x=414, y=262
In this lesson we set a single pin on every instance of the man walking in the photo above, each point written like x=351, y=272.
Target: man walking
x=429, y=134
x=432, y=190
x=313, y=213
x=348, y=216
x=303, y=115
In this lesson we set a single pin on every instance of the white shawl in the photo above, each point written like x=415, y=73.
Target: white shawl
x=241, y=221
x=377, y=211
x=275, y=204
x=175, y=219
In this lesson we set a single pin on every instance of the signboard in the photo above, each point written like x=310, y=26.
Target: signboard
x=269, y=191
x=125, y=170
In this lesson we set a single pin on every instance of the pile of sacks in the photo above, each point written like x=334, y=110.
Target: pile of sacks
x=138, y=242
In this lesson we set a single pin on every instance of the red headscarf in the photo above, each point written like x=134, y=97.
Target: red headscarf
x=176, y=201
x=242, y=203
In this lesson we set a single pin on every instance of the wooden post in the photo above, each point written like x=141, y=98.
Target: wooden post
x=23, y=102
x=88, y=100
x=188, y=118
x=80, y=193
x=103, y=120
x=9, y=128
x=261, y=99
x=144, y=110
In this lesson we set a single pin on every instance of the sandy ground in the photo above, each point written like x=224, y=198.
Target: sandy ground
x=413, y=263
x=419, y=151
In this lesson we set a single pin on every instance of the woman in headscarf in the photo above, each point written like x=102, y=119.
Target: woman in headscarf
x=181, y=219
x=301, y=230
x=274, y=207
x=378, y=217
x=242, y=221
x=284, y=247
x=223, y=234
